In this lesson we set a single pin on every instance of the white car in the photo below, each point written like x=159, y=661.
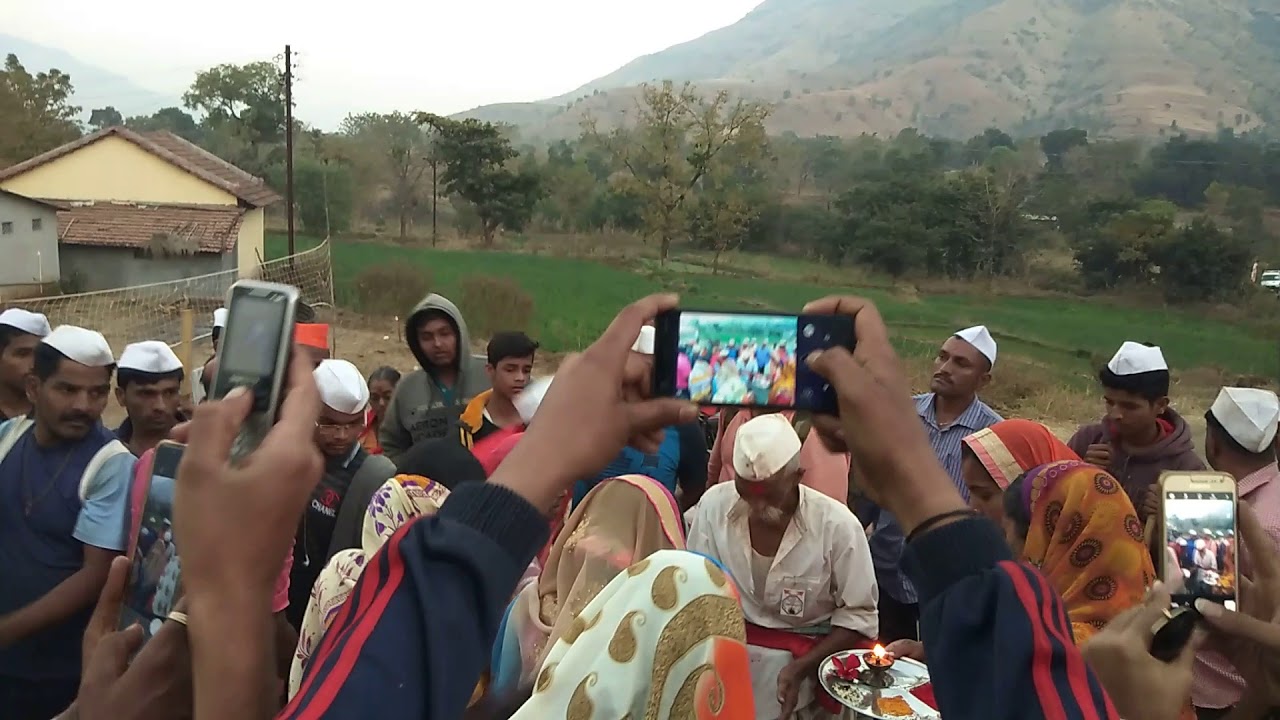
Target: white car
x=1270, y=280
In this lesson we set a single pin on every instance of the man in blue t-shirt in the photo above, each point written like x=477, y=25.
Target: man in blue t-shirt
x=64, y=493
x=681, y=461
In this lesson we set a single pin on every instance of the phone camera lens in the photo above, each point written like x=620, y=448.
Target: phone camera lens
x=826, y=338
x=807, y=392
x=808, y=331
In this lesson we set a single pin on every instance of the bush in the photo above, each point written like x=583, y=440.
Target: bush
x=493, y=304
x=390, y=289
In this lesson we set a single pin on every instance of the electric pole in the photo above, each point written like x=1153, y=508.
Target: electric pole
x=435, y=195
x=288, y=142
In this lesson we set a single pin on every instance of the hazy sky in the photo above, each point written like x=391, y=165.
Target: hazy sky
x=373, y=54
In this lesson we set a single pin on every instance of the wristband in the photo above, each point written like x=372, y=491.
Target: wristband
x=929, y=523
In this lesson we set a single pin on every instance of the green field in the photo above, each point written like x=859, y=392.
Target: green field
x=575, y=299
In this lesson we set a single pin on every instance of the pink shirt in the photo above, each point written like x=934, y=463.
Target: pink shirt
x=138, y=501
x=824, y=471
x=1216, y=683
x=683, y=368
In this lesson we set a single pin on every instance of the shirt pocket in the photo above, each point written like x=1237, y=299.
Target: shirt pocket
x=799, y=598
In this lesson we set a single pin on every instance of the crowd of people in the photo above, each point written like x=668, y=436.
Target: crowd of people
x=469, y=541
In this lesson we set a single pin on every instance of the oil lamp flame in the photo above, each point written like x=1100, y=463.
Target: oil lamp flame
x=878, y=651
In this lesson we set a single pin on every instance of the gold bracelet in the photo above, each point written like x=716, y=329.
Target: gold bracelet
x=178, y=617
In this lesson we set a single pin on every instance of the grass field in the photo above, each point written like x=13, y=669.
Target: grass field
x=575, y=299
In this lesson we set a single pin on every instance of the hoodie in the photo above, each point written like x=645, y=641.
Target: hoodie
x=1139, y=468
x=419, y=409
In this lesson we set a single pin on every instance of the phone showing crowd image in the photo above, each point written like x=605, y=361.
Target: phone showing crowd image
x=746, y=359
x=155, y=577
x=1198, y=530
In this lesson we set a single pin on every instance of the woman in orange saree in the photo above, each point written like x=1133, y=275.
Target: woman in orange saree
x=992, y=458
x=1075, y=523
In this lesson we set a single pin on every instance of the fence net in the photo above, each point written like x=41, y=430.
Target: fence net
x=154, y=312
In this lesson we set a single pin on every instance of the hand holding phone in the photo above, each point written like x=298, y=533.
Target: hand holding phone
x=745, y=359
x=1197, y=537
x=254, y=354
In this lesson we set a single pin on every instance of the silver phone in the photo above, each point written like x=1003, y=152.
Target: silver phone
x=254, y=353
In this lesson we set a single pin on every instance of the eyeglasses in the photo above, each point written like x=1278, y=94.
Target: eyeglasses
x=341, y=428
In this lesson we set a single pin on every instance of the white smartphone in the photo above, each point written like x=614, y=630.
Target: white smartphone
x=1198, y=533
x=155, y=579
x=254, y=353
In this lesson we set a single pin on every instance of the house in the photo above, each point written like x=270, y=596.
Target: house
x=135, y=208
x=29, y=244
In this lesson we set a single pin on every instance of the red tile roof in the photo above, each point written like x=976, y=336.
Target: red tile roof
x=176, y=151
x=206, y=228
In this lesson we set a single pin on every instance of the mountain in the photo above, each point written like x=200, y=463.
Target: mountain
x=94, y=87
x=1123, y=68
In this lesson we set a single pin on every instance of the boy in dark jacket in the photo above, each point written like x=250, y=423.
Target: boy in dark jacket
x=1141, y=436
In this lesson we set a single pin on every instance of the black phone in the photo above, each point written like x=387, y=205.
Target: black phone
x=746, y=359
x=254, y=353
x=155, y=577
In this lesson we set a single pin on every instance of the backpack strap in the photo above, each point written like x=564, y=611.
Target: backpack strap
x=12, y=432
x=88, y=481
x=349, y=525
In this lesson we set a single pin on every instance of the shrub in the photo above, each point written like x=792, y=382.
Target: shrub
x=390, y=289
x=493, y=304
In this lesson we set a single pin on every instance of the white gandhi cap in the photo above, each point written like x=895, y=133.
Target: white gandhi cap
x=644, y=341
x=1135, y=359
x=149, y=356
x=341, y=386
x=764, y=446
x=1248, y=415
x=220, y=318
x=26, y=321
x=80, y=345
x=980, y=338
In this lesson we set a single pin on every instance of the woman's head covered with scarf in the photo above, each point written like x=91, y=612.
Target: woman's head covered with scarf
x=992, y=458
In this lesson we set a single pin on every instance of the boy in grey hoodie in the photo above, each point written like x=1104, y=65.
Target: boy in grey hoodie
x=1141, y=436
x=427, y=401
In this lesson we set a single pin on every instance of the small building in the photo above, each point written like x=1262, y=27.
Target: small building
x=135, y=208
x=29, y=245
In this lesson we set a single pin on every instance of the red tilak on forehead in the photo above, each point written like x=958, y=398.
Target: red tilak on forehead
x=754, y=488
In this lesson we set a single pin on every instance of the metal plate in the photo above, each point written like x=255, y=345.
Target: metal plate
x=907, y=675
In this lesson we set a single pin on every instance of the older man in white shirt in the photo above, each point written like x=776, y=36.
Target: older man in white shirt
x=800, y=560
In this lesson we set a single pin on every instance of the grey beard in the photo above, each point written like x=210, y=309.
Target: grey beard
x=769, y=515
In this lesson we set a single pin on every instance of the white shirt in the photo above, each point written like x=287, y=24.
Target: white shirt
x=821, y=573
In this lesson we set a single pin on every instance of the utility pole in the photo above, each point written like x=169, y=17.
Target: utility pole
x=435, y=194
x=288, y=142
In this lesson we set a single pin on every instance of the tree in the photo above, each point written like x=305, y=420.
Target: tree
x=105, y=117
x=243, y=107
x=477, y=168
x=675, y=143
x=1202, y=262
x=400, y=152
x=1058, y=143
x=171, y=119
x=35, y=111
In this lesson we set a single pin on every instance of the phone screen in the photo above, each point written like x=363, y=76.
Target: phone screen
x=1200, y=529
x=746, y=359
x=156, y=573
x=252, y=344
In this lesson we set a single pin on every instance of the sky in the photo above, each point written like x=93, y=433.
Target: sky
x=373, y=55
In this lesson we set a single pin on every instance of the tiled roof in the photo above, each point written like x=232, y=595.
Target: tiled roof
x=207, y=228
x=180, y=153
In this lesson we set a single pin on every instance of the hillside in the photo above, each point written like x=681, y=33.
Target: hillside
x=1123, y=68
x=94, y=87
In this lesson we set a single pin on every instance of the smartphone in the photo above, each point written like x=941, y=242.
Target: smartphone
x=746, y=359
x=1198, y=527
x=254, y=353
x=155, y=578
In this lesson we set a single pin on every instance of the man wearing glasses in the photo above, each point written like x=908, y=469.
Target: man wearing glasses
x=334, y=517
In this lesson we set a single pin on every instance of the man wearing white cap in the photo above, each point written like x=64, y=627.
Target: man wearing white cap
x=1240, y=440
x=950, y=411
x=64, y=482
x=681, y=459
x=1140, y=436
x=215, y=336
x=800, y=560
x=20, y=331
x=334, y=518
x=148, y=385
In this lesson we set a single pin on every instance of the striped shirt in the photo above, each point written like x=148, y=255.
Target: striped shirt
x=1216, y=684
x=887, y=541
